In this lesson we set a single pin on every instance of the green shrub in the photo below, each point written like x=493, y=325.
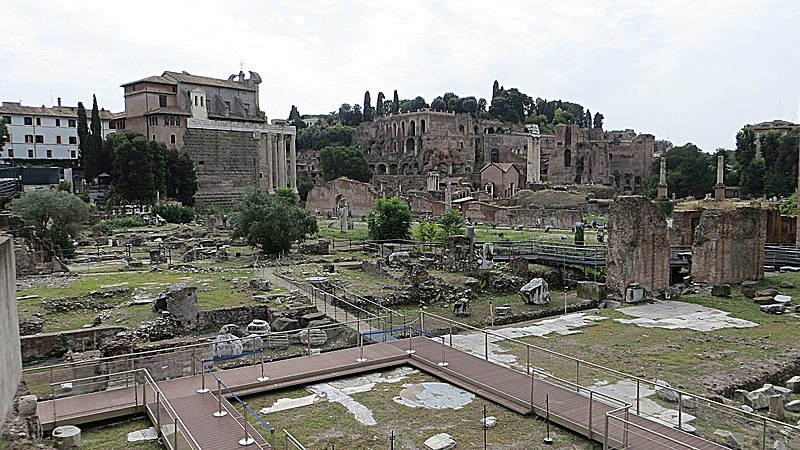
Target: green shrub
x=109, y=225
x=173, y=213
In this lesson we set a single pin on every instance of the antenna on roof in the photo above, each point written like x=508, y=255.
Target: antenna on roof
x=51, y=96
x=241, y=65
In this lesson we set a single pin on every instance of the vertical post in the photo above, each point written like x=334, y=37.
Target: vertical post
x=591, y=398
x=451, y=334
x=533, y=378
x=262, y=378
x=219, y=412
x=637, y=396
x=158, y=411
x=680, y=411
x=484, y=426
x=391, y=441
x=528, y=359
x=135, y=390
x=443, y=362
x=763, y=433
x=247, y=440
x=577, y=375
x=175, y=435
x=605, y=435
x=486, y=345
x=625, y=434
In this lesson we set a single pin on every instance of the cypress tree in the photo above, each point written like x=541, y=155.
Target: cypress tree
x=84, y=148
x=368, y=111
x=101, y=162
x=396, y=103
x=379, y=104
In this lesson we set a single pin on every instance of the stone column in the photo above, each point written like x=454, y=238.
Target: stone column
x=282, y=160
x=270, y=163
x=448, y=198
x=719, y=188
x=529, y=162
x=537, y=160
x=292, y=162
x=662, y=180
x=275, y=162
x=263, y=167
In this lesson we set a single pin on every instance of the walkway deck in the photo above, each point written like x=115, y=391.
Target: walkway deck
x=507, y=387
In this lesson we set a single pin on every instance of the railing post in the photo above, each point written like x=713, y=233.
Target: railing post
x=528, y=359
x=605, y=434
x=443, y=362
x=219, y=412
x=637, y=396
x=533, y=378
x=625, y=433
x=763, y=433
x=577, y=375
x=135, y=391
x=175, y=435
x=158, y=411
x=247, y=440
x=591, y=398
x=451, y=334
x=486, y=345
x=680, y=412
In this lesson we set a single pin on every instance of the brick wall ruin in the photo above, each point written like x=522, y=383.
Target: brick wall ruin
x=325, y=197
x=729, y=245
x=638, y=248
x=226, y=164
x=33, y=255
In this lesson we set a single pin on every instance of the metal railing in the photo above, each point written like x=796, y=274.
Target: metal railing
x=563, y=366
x=291, y=442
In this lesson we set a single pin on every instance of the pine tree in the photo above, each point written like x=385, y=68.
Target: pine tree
x=495, y=89
x=396, y=103
x=295, y=118
x=379, y=104
x=369, y=113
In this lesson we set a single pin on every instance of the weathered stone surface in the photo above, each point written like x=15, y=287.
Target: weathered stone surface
x=261, y=285
x=27, y=406
x=794, y=384
x=490, y=422
x=591, y=290
x=278, y=341
x=763, y=300
x=252, y=343
x=258, y=327
x=721, y=290
x=671, y=293
x=311, y=317
x=665, y=392
x=441, y=441
x=67, y=437
x=688, y=402
x=751, y=399
x=535, y=292
x=318, y=247
x=776, y=409
x=779, y=445
x=732, y=440
x=285, y=324
x=638, y=246
x=787, y=284
x=729, y=245
x=314, y=336
x=793, y=406
x=783, y=299
x=770, y=292
x=227, y=345
x=634, y=293
x=773, y=309
x=181, y=301
x=462, y=307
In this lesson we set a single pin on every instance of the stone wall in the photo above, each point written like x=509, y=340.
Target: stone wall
x=638, y=248
x=683, y=226
x=215, y=318
x=11, y=367
x=32, y=254
x=50, y=344
x=226, y=163
x=540, y=217
x=325, y=197
x=780, y=229
x=729, y=245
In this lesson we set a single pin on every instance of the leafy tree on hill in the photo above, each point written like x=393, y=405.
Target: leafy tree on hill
x=138, y=168
x=344, y=161
x=389, y=219
x=690, y=172
x=598, y=120
x=56, y=215
x=316, y=138
x=451, y=223
x=272, y=222
x=181, y=177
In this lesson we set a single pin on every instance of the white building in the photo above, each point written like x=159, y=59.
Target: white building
x=45, y=133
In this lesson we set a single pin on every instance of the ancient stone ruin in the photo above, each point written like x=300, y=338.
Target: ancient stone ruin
x=638, y=247
x=181, y=301
x=729, y=245
x=535, y=292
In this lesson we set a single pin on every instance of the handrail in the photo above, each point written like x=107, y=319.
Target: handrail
x=757, y=417
x=635, y=425
x=148, y=379
x=293, y=440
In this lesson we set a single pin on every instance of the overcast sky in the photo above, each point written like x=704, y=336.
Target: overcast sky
x=687, y=71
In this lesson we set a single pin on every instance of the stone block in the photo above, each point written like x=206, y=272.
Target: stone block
x=634, y=293
x=27, y=406
x=793, y=406
x=783, y=299
x=732, y=440
x=794, y=384
x=787, y=284
x=763, y=300
x=776, y=409
x=285, y=324
x=67, y=437
x=314, y=337
x=311, y=317
x=773, y=309
x=535, y=292
x=278, y=341
x=665, y=392
x=441, y=441
x=591, y=290
x=767, y=292
x=721, y=290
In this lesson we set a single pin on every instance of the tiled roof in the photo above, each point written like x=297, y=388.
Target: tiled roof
x=152, y=79
x=55, y=111
x=169, y=110
x=184, y=77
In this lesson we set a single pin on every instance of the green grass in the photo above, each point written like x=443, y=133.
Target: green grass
x=115, y=436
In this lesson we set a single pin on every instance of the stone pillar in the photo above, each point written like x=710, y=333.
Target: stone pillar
x=534, y=158
x=448, y=198
x=529, y=162
x=433, y=181
x=638, y=246
x=262, y=177
x=537, y=160
x=719, y=188
x=292, y=162
x=281, y=160
x=270, y=163
x=662, y=179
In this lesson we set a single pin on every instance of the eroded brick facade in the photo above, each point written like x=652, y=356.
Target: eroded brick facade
x=729, y=245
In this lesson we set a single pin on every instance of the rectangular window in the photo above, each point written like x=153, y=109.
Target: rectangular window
x=166, y=120
x=162, y=101
x=73, y=140
x=73, y=154
x=29, y=121
x=29, y=139
x=39, y=139
x=11, y=153
x=49, y=153
x=72, y=123
x=58, y=122
x=58, y=139
x=7, y=120
x=30, y=153
x=178, y=121
x=38, y=121
x=172, y=138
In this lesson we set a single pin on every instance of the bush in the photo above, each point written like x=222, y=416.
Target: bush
x=109, y=225
x=173, y=213
x=272, y=222
x=389, y=219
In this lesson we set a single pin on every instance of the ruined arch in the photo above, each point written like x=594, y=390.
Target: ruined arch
x=410, y=147
x=380, y=169
x=412, y=128
x=567, y=158
x=494, y=156
x=393, y=169
x=461, y=129
x=394, y=129
x=422, y=126
x=403, y=128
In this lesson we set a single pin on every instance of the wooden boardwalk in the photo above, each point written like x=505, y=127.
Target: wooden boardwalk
x=578, y=410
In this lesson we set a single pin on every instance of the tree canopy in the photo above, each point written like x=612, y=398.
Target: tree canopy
x=56, y=215
x=316, y=137
x=690, y=172
x=389, y=219
x=181, y=177
x=272, y=222
x=775, y=173
x=344, y=161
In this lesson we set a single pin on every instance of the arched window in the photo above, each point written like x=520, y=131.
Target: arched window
x=422, y=126
x=567, y=158
x=412, y=128
x=494, y=155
